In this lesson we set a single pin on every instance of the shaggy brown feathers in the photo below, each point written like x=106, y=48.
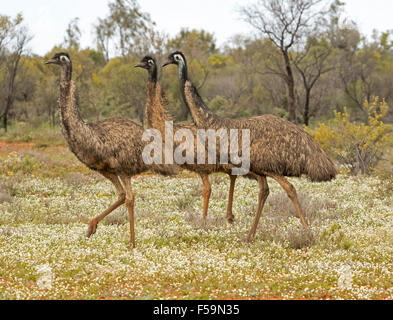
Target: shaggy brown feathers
x=277, y=145
x=157, y=115
x=278, y=148
x=112, y=147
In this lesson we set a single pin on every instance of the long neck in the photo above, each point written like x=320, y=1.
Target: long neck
x=153, y=74
x=156, y=113
x=201, y=114
x=69, y=104
x=183, y=77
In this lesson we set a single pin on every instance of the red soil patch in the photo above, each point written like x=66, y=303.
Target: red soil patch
x=144, y=176
x=6, y=148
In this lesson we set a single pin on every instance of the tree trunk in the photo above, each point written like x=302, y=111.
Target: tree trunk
x=5, y=120
x=53, y=118
x=11, y=90
x=292, y=109
x=8, y=105
x=306, y=119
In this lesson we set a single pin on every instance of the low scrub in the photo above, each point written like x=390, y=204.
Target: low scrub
x=357, y=146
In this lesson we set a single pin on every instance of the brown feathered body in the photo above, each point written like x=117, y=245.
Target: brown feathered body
x=157, y=115
x=277, y=145
x=114, y=145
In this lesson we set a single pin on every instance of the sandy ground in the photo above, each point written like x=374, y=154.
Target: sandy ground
x=6, y=147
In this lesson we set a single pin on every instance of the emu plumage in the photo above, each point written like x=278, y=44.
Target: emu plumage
x=278, y=149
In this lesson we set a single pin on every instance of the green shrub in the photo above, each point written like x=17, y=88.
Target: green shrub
x=357, y=146
x=42, y=136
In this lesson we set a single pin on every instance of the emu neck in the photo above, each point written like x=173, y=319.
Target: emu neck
x=156, y=113
x=71, y=120
x=183, y=77
x=153, y=74
x=203, y=117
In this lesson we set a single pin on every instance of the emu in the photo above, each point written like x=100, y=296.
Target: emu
x=279, y=148
x=111, y=147
x=157, y=115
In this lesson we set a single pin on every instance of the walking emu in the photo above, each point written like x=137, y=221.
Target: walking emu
x=157, y=116
x=112, y=147
x=279, y=148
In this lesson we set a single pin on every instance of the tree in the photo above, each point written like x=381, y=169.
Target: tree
x=251, y=87
x=123, y=30
x=194, y=43
x=121, y=92
x=311, y=64
x=364, y=66
x=73, y=34
x=285, y=23
x=16, y=37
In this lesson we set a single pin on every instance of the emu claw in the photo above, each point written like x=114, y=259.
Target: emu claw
x=231, y=219
x=91, y=230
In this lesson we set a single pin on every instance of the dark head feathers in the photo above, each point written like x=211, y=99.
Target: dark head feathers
x=173, y=54
x=177, y=58
x=147, y=58
x=147, y=62
x=59, y=54
x=60, y=58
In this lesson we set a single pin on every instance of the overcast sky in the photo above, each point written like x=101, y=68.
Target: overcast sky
x=48, y=19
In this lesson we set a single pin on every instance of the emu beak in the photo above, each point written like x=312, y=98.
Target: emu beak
x=51, y=61
x=140, y=65
x=167, y=63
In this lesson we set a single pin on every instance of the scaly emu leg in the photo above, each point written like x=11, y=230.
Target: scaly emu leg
x=207, y=190
x=291, y=192
x=130, y=202
x=230, y=216
x=92, y=228
x=263, y=194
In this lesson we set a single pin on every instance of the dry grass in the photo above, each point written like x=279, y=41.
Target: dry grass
x=278, y=217
x=281, y=208
x=213, y=222
x=5, y=197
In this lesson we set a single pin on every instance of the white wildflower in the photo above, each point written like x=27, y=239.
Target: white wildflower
x=346, y=278
x=44, y=281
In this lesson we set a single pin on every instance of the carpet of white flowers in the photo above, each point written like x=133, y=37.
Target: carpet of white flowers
x=44, y=253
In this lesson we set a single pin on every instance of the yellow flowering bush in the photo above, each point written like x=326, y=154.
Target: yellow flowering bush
x=357, y=146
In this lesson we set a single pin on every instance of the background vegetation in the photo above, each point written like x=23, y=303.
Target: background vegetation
x=331, y=65
x=305, y=62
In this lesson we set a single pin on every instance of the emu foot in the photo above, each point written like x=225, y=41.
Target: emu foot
x=92, y=229
x=204, y=224
x=231, y=219
x=250, y=237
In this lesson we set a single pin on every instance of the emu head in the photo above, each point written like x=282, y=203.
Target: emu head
x=147, y=63
x=177, y=58
x=61, y=58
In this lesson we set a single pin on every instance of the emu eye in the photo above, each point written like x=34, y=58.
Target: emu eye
x=151, y=62
x=177, y=57
x=64, y=59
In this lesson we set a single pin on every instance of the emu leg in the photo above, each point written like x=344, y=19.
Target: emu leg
x=263, y=194
x=207, y=190
x=230, y=216
x=130, y=202
x=291, y=192
x=92, y=228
